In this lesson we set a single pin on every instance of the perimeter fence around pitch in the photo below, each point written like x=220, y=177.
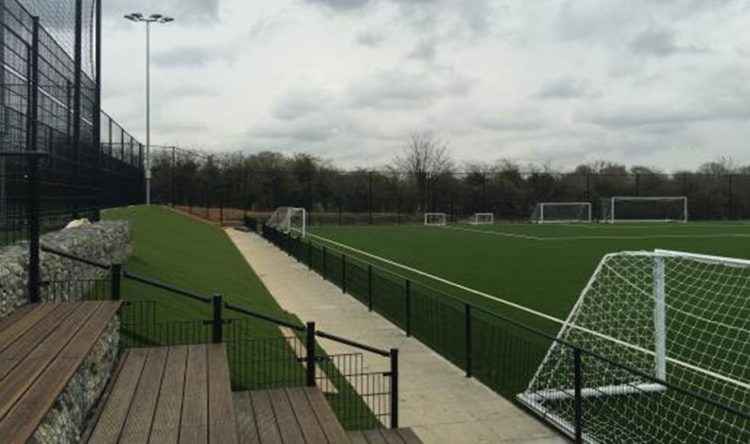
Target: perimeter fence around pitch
x=504, y=353
x=61, y=158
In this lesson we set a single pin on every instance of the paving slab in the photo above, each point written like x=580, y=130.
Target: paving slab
x=435, y=399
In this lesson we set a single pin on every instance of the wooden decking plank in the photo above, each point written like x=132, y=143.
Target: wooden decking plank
x=107, y=429
x=306, y=418
x=326, y=418
x=22, y=376
x=268, y=428
x=243, y=408
x=20, y=313
x=166, y=425
x=356, y=437
x=137, y=426
x=222, y=424
x=194, y=423
x=24, y=418
x=22, y=346
x=291, y=432
x=392, y=436
x=374, y=437
x=409, y=436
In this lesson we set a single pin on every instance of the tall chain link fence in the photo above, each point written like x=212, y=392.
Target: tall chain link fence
x=58, y=152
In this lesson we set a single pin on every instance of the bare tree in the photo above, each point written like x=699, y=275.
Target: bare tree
x=424, y=157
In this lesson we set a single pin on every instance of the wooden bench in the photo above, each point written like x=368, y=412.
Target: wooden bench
x=383, y=436
x=41, y=348
x=168, y=395
x=294, y=415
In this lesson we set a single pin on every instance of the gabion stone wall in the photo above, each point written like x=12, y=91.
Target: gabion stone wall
x=108, y=242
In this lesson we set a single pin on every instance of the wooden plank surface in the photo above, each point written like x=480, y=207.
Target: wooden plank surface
x=268, y=428
x=409, y=436
x=166, y=425
x=392, y=436
x=243, y=409
x=137, y=426
x=305, y=415
x=107, y=429
x=222, y=424
x=21, y=320
x=288, y=425
x=356, y=437
x=326, y=418
x=194, y=423
x=374, y=437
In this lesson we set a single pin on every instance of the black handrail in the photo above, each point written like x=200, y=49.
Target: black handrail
x=73, y=257
x=163, y=286
x=354, y=344
x=254, y=314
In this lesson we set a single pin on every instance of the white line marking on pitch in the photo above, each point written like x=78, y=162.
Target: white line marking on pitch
x=565, y=238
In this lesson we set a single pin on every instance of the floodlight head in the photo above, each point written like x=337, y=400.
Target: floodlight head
x=155, y=16
x=137, y=15
x=166, y=19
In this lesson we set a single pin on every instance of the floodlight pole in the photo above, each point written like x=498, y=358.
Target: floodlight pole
x=153, y=18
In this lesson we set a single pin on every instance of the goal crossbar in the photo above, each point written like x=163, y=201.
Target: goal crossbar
x=577, y=212
x=610, y=209
x=435, y=219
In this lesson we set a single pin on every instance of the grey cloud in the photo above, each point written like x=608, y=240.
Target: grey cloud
x=296, y=104
x=401, y=89
x=340, y=5
x=564, y=88
x=192, y=56
x=425, y=50
x=184, y=11
x=658, y=42
x=299, y=131
x=370, y=38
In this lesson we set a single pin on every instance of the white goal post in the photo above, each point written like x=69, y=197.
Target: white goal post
x=561, y=212
x=438, y=219
x=681, y=318
x=290, y=220
x=637, y=209
x=483, y=219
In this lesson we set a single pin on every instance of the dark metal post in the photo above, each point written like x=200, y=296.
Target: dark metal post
x=310, y=354
x=98, y=108
x=217, y=323
x=172, y=178
x=578, y=399
x=325, y=263
x=730, y=197
x=77, y=79
x=369, y=198
x=33, y=168
x=467, y=339
x=369, y=287
x=408, y=307
x=343, y=273
x=394, y=388
x=116, y=282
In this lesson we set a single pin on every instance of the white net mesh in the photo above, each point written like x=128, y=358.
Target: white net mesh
x=644, y=209
x=571, y=212
x=706, y=335
x=483, y=219
x=289, y=220
x=435, y=219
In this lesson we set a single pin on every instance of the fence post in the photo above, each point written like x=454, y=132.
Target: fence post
x=116, y=289
x=408, y=307
x=343, y=273
x=217, y=323
x=325, y=263
x=369, y=287
x=577, y=400
x=467, y=338
x=394, y=388
x=309, y=255
x=34, y=275
x=310, y=356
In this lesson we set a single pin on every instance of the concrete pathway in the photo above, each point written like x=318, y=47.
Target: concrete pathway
x=435, y=399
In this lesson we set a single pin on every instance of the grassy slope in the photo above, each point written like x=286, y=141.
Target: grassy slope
x=543, y=275
x=192, y=255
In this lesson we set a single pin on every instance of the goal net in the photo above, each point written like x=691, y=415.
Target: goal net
x=289, y=220
x=679, y=318
x=483, y=219
x=561, y=212
x=645, y=209
x=435, y=219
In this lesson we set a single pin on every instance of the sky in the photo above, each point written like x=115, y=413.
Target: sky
x=662, y=83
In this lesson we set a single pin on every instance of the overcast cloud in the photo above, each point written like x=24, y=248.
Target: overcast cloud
x=558, y=82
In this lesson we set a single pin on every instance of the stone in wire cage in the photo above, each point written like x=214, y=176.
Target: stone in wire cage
x=676, y=317
x=561, y=212
x=290, y=220
x=645, y=209
x=438, y=219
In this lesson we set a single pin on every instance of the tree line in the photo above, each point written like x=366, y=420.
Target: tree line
x=426, y=177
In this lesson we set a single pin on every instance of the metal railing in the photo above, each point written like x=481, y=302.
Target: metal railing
x=362, y=398
x=504, y=354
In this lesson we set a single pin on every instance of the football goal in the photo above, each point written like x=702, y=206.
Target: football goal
x=645, y=209
x=483, y=219
x=289, y=220
x=561, y=212
x=438, y=219
x=650, y=319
